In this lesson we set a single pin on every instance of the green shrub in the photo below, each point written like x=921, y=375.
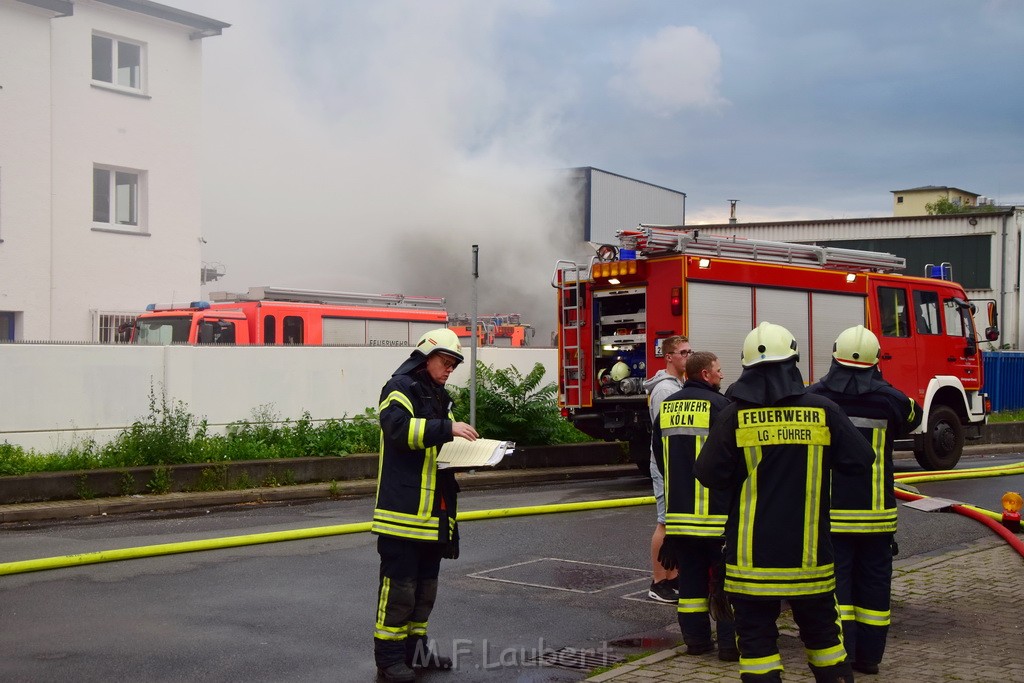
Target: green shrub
x=513, y=406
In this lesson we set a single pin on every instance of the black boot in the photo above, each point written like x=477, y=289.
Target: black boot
x=398, y=672
x=420, y=654
x=389, y=656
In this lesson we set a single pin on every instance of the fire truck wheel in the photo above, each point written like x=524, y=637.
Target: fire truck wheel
x=943, y=442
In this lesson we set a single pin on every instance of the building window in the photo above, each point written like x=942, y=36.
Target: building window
x=112, y=327
x=899, y=199
x=117, y=62
x=116, y=196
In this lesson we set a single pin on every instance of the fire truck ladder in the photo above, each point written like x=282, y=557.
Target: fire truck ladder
x=650, y=240
x=318, y=296
x=566, y=279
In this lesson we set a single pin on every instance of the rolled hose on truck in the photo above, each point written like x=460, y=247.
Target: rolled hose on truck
x=993, y=520
x=987, y=517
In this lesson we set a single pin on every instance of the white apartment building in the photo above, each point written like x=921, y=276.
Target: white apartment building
x=99, y=175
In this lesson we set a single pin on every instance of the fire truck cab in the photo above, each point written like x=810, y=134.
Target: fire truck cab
x=668, y=280
x=280, y=316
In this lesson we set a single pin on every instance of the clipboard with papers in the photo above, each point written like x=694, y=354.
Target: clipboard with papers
x=480, y=453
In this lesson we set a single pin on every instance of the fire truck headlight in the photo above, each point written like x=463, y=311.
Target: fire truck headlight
x=613, y=280
x=851, y=277
x=704, y=263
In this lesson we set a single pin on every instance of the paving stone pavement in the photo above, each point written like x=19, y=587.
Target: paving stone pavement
x=956, y=616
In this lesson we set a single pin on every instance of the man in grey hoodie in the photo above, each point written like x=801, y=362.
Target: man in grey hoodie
x=676, y=351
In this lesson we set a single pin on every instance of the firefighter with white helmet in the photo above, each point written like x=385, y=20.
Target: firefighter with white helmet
x=864, y=507
x=772, y=449
x=414, y=514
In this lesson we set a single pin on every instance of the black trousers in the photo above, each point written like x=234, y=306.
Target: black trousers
x=405, y=596
x=863, y=586
x=757, y=633
x=697, y=557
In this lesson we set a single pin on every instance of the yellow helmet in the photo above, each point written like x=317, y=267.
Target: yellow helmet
x=768, y=343
x=857, y=347
x=620, y=371
x=441, y=340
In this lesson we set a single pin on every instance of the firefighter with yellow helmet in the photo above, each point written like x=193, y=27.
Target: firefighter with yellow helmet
x=773, y=449
x=864, y=508
x=414, y=514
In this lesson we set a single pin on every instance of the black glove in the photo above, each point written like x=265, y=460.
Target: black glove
x=451, y=550
x=668, y=555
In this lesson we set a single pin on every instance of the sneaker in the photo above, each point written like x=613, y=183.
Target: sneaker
x=663, y=591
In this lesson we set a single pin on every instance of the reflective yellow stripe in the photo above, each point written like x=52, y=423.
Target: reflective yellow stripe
x=779, y=590
x=380, y=630
x=812, y=504
x=692, y=605
x=830, y=656
x=748, y=505
x=911, y=416
x=864, y=521
x=871, y=617
x=399, y=398
x=878, y=469
x=417, y=429
x=760, y=665
x=417, y=628
x=705, y=526
x=779, y=581
x=402, y=531
x=846, y=612
x=427, y=477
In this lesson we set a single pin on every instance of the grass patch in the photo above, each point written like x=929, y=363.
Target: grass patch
x=1007, y=416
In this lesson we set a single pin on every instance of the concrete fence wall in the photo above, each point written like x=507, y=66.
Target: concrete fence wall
x=54, y=395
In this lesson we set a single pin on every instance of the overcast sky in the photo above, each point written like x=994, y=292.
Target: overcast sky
x=364, y=145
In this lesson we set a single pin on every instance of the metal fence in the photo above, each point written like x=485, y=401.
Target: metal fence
x=1004, y=379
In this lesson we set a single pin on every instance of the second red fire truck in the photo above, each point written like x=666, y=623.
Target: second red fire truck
x=668, y=280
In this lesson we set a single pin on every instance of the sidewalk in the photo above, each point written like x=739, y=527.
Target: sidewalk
x=955, y=617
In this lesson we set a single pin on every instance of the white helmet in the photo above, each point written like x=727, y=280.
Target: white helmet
x=441, y=340
x=768, y=343
x=857, y=347
x=620, y=371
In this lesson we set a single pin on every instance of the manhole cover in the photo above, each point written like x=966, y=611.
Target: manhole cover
x=575, y=658
x=564, y=575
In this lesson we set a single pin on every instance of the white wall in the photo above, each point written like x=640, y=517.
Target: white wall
x=55, y=395
x=25, y=165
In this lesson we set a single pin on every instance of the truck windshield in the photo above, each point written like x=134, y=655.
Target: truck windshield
x=162, y=331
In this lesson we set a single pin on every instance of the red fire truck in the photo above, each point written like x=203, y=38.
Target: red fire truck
x=668, y=280
x=276, y=315
x=501, y=329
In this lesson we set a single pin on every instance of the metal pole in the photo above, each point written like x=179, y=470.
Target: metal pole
x=472, y=339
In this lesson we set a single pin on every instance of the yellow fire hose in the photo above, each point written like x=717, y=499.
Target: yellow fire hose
x=45, y=563
x=24, y=566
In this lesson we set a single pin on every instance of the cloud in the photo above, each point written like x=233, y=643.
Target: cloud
x=678, y=68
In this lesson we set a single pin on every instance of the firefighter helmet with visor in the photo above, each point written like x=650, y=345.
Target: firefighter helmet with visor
x=857, y=347
x=768, y=343
x=442, y=341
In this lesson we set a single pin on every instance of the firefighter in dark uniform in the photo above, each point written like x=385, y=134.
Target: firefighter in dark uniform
x=694, y=516
x=864, y=508
x=773, y=449
x=414, y=515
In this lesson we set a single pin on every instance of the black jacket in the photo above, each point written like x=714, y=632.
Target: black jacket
x=882, y=413
x=415, y=500
x=683, y=425
x=774, y=459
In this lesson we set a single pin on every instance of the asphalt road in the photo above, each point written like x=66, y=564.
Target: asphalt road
x=303, y=610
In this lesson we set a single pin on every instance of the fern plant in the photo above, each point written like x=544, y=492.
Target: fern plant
x=510, y=405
